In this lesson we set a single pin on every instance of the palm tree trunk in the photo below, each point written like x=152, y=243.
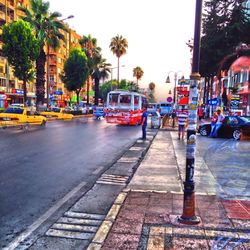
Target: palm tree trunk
x=40, y=77
x=25, y=92
x=118, y=71
x=88, y=81
x=97, y=83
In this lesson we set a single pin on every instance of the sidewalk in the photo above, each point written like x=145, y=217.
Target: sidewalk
x=144, y=215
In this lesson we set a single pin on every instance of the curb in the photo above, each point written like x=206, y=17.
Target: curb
x=104, y=229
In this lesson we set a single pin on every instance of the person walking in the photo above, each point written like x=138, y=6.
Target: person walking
x=182, y=119
x=213, y=122
x=144, y=123
x=218, y=124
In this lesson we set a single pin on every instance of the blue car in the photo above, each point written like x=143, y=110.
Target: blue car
x=98, y=112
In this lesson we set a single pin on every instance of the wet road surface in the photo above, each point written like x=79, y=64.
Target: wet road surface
x=43, y=165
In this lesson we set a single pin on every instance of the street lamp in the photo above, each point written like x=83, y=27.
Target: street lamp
x=48, y=64
x=175, y=80
x=188, y=215
x=112, y=73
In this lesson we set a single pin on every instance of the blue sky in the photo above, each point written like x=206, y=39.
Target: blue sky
x=157, y=32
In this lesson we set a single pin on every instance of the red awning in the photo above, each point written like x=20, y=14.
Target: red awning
x=242, y=62
x=184, y=101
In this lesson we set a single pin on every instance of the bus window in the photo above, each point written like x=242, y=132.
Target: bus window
x=113, y=99
x=136, y=102
x=144, y=102
x=125, y=100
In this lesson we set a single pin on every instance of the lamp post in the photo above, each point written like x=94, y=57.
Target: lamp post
x=175, y=81
x=188, y=215
x=48, y=64
x=112, y=74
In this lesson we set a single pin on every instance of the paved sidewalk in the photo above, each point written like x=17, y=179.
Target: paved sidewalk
x=144, y=216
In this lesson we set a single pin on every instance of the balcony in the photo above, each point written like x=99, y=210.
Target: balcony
x=2, y=15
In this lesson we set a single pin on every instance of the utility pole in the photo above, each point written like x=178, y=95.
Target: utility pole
x=188, y=216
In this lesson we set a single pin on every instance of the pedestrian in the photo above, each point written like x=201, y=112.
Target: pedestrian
x=218, y=123
x=144, y=123
x=200, y=112
x=213, y=122
x=182, y=119
x=173, y=116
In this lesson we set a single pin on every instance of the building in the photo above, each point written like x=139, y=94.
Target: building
x=57, y=92
x=11, y=90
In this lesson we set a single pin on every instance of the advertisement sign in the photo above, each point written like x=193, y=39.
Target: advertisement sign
x=58, y=92
x=213, y=101
x=18, y=91
x=183, y=81
x=235, y=102
x=3, y=97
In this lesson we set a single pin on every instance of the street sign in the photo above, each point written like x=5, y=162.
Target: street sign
x=213, y=101
x=169, y=99
x=183, y=81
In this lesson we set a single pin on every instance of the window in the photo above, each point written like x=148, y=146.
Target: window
x=113, y=99
x=2, y=82
x=136, y=102
x=125, y=99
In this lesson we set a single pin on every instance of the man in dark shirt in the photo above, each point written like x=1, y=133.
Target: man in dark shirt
x=144, y=123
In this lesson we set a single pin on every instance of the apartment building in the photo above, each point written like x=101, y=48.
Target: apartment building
x=58, y=94
x=10, y=87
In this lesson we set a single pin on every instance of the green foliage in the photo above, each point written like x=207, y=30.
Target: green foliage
x=112, y=85
x=21, y=48
x=225, y=25
x=47, y=29
x=75, y=71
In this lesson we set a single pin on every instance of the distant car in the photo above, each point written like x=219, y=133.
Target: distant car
x=153, y=107
x=18, y=116
x=165, y=108
x=232, y=127
x=98, y=112
x=57, y=113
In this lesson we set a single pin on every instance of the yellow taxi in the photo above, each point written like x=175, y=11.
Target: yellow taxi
x=18, y=116
x=57, y=113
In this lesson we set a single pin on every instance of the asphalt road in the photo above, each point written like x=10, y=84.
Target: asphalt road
x=40, y=167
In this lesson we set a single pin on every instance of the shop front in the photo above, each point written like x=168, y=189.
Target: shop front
x=3, y=101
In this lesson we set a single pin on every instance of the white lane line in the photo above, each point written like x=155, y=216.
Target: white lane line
x=42, y=219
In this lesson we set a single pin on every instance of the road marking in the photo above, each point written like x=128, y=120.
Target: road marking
x=112, y=179
x=43, y=218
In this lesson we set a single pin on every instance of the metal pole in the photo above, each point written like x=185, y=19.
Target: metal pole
x=175, y=79
x=47, y=76
x=188, y=216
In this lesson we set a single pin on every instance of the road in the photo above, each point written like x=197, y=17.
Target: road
x=40, y=167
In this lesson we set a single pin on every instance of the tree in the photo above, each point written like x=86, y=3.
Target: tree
x=75, y=71
x=21, y=49
x=151, y=96
x=47, y=30
x=119, y=47
x=138, y=73
x=93, y=53
x=101, y=71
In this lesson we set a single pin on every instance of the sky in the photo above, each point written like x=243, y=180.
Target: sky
x=156, y=31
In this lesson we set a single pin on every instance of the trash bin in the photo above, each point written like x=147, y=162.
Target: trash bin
x=155, y=120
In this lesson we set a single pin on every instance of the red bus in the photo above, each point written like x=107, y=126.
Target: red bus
x=125, y=107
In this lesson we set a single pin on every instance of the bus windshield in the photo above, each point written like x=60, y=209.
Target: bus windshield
x=113, y=100
x=125, y=100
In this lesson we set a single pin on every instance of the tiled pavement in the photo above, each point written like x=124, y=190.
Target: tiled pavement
x=146, y=218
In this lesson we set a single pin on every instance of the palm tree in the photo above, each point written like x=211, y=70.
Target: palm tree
x=93, y=53
x=47, y=30
x=101, y=71
x=118, y=46
x=138, y=73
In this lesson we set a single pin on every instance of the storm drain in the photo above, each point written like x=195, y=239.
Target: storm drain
x=112, y=179
x=75, y=225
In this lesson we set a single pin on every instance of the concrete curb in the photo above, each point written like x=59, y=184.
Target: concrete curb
x=109, y=220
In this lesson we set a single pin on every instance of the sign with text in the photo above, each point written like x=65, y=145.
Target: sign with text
x=183, y=81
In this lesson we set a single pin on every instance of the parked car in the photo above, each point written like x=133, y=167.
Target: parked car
x=232, y=127
x=57, y=113
x=18, y=116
